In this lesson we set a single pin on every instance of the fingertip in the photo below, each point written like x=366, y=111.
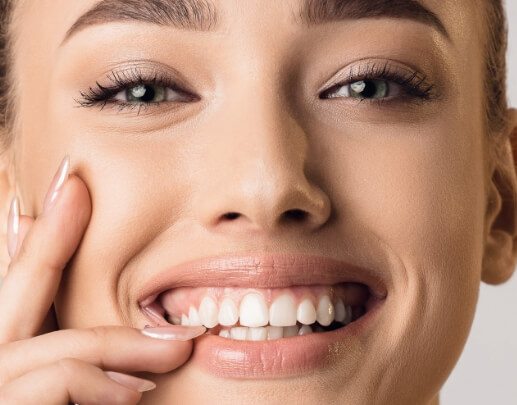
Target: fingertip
x=76, y=195
x=71, y=210
x=165, y=354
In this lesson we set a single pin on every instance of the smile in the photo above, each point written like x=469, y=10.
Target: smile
x=255, y=307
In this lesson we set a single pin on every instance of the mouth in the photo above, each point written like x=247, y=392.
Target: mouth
x=266, y=300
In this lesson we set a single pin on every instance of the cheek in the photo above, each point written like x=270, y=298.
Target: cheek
x=138, y=189
x=420, y=192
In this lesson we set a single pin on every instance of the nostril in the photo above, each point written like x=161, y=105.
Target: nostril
x=296, y=215
x=231, y=215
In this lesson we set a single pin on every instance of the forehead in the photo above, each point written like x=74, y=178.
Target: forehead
x=456, y=18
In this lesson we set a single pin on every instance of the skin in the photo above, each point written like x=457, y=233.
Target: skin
x=410, y=182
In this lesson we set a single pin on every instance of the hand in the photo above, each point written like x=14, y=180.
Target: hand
x=65, y=366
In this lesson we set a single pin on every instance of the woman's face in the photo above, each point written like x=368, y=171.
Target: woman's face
x=373, y=127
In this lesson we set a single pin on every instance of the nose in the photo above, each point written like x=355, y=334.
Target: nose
x=256, y=174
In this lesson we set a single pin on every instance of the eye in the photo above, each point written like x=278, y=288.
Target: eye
x=136, y=88
x=383, y=83
x=145, y=93
x=367, y=89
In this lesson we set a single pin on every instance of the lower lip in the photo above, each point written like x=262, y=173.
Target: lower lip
x=286, y=357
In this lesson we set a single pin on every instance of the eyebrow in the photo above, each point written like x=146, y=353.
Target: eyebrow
x=201, y=15
x=316, y=12
x=195, y=15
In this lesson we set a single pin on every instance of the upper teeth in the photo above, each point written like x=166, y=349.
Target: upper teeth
x=228, y=312
x=253, y=312
x=207, y=313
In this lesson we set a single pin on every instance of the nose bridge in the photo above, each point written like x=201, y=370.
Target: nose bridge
x=258, y=174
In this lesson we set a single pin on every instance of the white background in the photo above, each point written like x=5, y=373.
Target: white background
x=487, y=370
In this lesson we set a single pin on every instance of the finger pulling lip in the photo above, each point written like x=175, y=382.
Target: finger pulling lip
x=263, y=271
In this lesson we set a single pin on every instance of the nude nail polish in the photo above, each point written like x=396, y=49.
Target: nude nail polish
x=13, y=226
x=174, y=332
x=57, y=182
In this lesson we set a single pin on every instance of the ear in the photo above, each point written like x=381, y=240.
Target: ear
x=500, y=251
x=6, y=194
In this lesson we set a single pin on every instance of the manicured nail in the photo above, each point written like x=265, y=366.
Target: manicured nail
x=57, y=182
x=134, y=383
x=13, y=226
x=174, y=332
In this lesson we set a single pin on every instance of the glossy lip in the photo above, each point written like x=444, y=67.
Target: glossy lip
x=263, y=271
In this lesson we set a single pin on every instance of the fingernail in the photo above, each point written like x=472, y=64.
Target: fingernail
x=174, y=332
x=57, y=182
x=13, y=226
x=134, y=383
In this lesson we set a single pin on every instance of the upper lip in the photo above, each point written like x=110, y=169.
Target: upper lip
x=263, y=271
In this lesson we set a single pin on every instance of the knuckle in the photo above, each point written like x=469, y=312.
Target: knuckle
x=100, y=333
x=99, y=336
x=68, y=367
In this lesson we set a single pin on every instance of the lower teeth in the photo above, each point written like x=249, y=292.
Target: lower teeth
x=274, y=332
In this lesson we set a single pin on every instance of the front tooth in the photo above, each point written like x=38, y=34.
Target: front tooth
x=305, y=330
x=208, y=312
x=325, y=312
x=184, y=319
x=282, y=311
x=274, y=332
x=193, y=317
x=224, y=333
x=238, y=333
x=340, y=310
x=306, y=313
x=290, y=331
x=228, y=313
x=253, y=310
x=259, y=333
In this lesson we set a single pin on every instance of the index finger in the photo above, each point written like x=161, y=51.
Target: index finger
x=117, y=348
x=34, y=274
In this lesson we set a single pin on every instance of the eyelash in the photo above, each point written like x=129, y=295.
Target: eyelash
x=414, y=85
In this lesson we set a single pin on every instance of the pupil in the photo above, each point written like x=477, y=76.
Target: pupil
x=369, y=88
